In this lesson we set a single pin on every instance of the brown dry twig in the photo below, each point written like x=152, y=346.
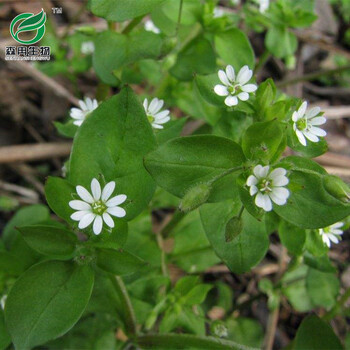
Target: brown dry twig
x=31, y=152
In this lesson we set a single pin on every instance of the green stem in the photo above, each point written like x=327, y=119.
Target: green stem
x=128, y=311
x=241, y=212
x=337, y=307
x=185, y=341
x=132, y=24
x=227, y=172
x=262, y=60
x=177, y=217
x=312, y=76
x=179, y=18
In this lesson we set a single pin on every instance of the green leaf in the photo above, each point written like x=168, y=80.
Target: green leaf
x=196, y=295
x=171, y=130
x=245, y=331
x=309, y=204
x=46, y=301
x=281, y=42
x=185, y=162
x=321, y=263
x=243, y=252
x=294, y=288
x=315, y=334
x=229, y=43
x=322, y=287
x=25, y=216
x=118, y=262
x=10, y=264
x=185, y=284
x=197, y=57
x=311, y=150
x=5, y=339
x=205, y=85
x=112, y=142
x=59, y=192
x=49, y=240
x=68, y=129
x=114, y=50
x=292, y=237
x=119, y=10
x=262, y=141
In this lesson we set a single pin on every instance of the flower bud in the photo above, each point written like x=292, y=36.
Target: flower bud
x=337, y=188
x=219, y=329
x=87, y=30
x=233, y=228
x=195, y=197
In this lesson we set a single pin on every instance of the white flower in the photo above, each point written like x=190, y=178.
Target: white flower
x=3, y=301
x=218, y=12
x=263, y=5
x=87, y=47
x=150, y=27
x=235, y=87
x=268, y=186
x=98, y=207
x=155, y=117
x=331, y=233
x=306, y=122
x=81, y=113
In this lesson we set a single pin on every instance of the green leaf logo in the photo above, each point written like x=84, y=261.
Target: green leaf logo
x=29, y=22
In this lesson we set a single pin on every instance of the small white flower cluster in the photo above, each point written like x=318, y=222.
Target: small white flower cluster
x=86, y=107
x=305, y=124
x=153, y=111
x=97, y=207
x=87, y=47
x=154, y=115
x=331, y=233
x=268, y=186
x=235, y=87
x=151, y=27
x=263, y=5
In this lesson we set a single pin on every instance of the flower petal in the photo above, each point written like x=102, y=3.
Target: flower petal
x=78, y=215
x=312, y=112
x=76, y=113
x=78, y=122
x=277, y=172
x=121, y=198
x=280, y=192
x=252, y=180
x=317, y=121
x=153, y=106
x=96, y=189
x=249, y=88
x=145, y=104
x=86, y=220
x=221, y=90
x=84, y=194
x=157, y=126
x=108, y=190
x=333, y=238
x=223, y=78
x=253, y=190
x=231, y=101
x=162, y=114
x=317, y=131
x=310, y=136
x=261, y=171
x=244, y=75
x=243, y=96
x=79, y=205
x=116, y=211
x=263, y=201
x=302, y=109
x=230, y=72
x=97, y=227
x=108, y=220
x=300, y=137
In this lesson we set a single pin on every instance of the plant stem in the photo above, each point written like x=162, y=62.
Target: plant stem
x=177, y=217
x=162, y=256
x=261, y=63
x=227, y=172
x=128, y=311
x=132, y=24
x=312, y=76
x=179, y=18
x=187, y=340
x=337, y=307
